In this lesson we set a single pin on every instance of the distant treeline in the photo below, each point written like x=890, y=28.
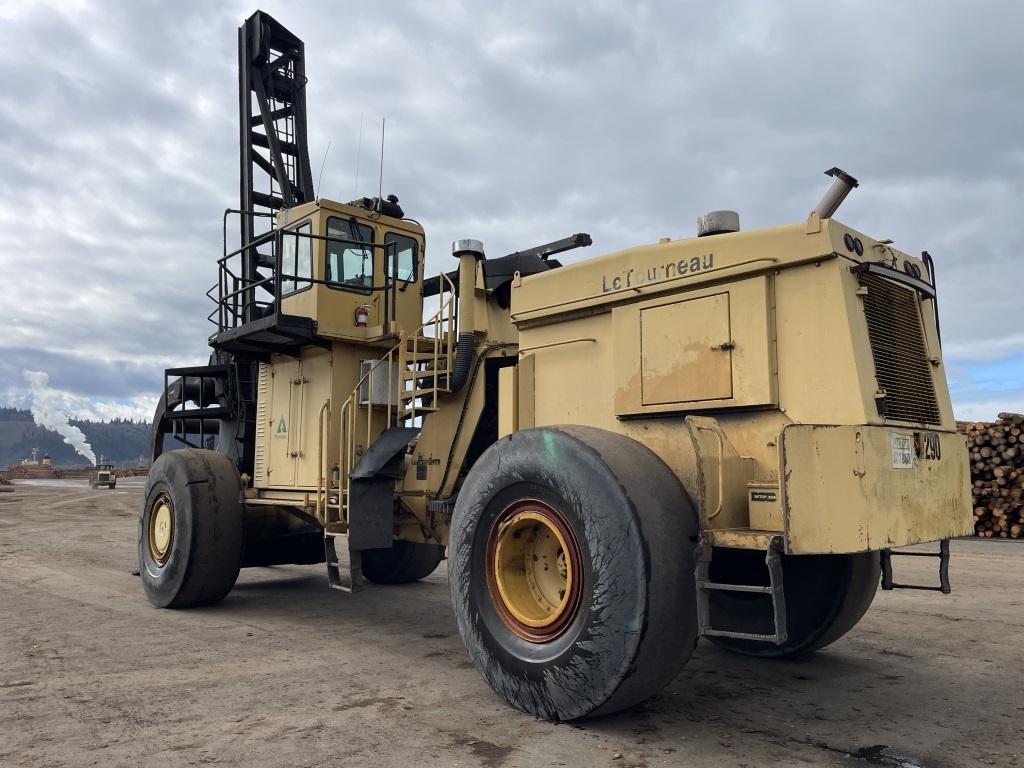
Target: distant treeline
x=119, y=441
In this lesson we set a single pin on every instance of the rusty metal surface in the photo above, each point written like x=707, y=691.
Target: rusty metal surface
x=850, y=489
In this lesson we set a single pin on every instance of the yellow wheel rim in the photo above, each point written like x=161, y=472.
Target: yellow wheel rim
x=161, y=529
x=534, y=570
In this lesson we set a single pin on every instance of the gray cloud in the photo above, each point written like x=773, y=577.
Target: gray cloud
x=512, y=122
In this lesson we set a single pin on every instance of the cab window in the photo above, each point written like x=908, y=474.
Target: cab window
x=296, y=259
x=349, y=264
x=404, y=249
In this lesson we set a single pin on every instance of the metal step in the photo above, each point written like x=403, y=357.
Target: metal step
x=942, y=554
x=346, y=579
x=409, y=413
x=425, y=345
x=441, y=373
x=773, y=561
x=411, y=394
x=426, y=357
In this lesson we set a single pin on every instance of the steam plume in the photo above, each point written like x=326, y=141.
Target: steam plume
x=48, y=414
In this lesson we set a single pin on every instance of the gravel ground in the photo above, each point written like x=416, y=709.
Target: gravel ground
x=286, y=672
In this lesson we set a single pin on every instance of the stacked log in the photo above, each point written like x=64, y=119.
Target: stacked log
x=997, y=474
x=30, y=471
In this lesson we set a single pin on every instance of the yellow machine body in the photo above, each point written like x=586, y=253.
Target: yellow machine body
x=744, y=360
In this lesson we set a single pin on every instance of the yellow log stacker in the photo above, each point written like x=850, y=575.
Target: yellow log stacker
x=722, y=436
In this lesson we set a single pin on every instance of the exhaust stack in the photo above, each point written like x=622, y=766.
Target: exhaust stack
x=842, y=184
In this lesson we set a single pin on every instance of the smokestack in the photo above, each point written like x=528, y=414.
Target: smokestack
x=841, y=185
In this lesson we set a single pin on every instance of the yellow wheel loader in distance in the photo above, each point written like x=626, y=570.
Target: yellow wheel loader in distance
x=721, y=436
x=103, y=474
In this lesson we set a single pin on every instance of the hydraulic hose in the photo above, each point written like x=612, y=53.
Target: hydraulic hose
x=463, y=361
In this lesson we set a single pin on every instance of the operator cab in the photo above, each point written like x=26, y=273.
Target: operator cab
x=342, y=271
x=365, y=262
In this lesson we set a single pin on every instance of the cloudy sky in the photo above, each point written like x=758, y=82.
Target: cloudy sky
x=515, y=123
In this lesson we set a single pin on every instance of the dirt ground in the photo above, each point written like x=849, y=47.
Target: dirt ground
x=286, y=672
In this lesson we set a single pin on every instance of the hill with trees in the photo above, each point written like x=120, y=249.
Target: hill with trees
x=120, y=441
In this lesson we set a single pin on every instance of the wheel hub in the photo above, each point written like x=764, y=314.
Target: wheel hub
x=533, y=570
x=161, y=529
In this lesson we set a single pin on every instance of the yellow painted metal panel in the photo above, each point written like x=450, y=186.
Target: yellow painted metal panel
x=727, y=333
x=723, y=475
x=685, y=351
x=508, y=401
x=765, y=503
x=282, y=422
x=853, y=489
x=676, y=265
x=526, y=410
x=313, y=391
x=574, y=383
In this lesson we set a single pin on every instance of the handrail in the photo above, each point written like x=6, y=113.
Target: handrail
x=400, y=402
x=321, y=488
x=236, y=294
x=721, y=469
x=524, y=350
x=431, y=321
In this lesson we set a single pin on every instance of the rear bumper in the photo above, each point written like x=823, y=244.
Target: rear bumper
x=858, y=488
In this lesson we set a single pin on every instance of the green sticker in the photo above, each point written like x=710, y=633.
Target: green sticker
x=281, y=428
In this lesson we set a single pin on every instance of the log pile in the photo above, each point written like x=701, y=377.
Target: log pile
x=997, y=474
x=30, y=471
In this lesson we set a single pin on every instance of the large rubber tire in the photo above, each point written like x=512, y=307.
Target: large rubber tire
x=205, y=550
x=635, y=626
x=826, y=595
x=401, y=563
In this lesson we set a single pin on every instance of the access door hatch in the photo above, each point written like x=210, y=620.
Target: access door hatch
x=686, y=351
x=705, y=349
x=282, y=429
x=292, y=394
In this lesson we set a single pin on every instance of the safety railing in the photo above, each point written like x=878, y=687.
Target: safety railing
x=239, y=281
x=414, y=372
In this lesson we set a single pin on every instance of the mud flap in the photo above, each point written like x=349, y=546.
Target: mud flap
x=371, y=509
x=371, y=513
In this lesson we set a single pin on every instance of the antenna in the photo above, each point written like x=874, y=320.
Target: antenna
x=359, y=147
x=380, y=187
x=320, y=177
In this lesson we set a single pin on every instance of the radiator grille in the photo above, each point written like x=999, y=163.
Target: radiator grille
x=899, y=351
